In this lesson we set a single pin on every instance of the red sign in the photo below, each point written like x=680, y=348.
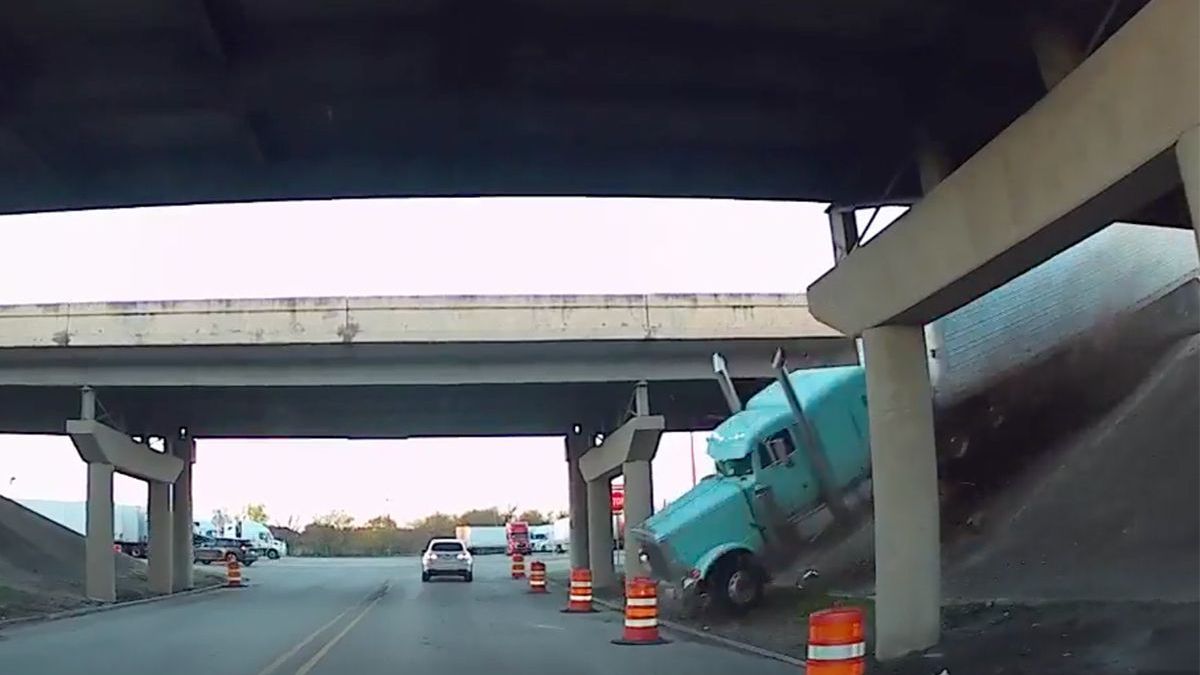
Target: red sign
x=618, y=498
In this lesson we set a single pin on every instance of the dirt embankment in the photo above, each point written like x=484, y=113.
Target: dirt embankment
x=42, y=566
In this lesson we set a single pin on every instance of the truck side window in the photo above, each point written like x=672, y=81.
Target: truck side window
x=764, y=456
x=776, y=448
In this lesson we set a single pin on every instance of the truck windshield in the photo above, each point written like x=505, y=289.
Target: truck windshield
x=735, y=467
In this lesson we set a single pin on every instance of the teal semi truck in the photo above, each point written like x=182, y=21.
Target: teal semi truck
x=795, y=459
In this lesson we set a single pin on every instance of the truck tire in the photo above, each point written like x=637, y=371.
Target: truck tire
x=272, y=554
x=735, y=586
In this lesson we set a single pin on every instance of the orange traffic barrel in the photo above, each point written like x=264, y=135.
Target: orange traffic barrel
x=537, y=577
x=837, y=644
x=518, y=566
x=233, y=574
x=641, y=614
x=579, y=599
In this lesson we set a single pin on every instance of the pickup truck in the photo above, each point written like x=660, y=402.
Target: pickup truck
x=780, y=463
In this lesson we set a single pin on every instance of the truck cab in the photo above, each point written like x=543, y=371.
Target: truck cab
x=724, y=537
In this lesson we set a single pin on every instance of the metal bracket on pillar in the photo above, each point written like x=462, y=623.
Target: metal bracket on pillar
x=639, y=403
x=87, y=403
x=843, y=229
x=90, y=403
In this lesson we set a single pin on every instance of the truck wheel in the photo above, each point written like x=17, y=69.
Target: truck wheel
x=735, y=586
x=136, y=552
x=272, y=554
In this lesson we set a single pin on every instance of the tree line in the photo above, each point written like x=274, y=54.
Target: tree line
x=337, y=534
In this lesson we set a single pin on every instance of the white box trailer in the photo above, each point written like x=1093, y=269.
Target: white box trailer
x=561, y=534
x=130, y=530
x=483, y=539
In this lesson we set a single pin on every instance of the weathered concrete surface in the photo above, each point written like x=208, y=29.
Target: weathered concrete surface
x=416, y=320
x=1096, y=148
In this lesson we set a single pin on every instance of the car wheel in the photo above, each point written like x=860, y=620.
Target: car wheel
x=425, y=577
x=136, y=552
x=735, y=586
x=272, y=554
x=204, y=562
x=248, y=563
x=469, y=577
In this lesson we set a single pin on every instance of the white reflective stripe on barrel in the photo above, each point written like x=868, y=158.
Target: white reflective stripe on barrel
x=641, y=623
x=641, y=602
x=581, y=598
x=836, y=652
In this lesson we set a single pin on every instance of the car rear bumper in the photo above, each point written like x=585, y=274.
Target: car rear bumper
x=447, y=567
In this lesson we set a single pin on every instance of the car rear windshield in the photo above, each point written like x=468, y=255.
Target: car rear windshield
x=446, y=546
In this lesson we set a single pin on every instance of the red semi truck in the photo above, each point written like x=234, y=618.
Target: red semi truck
x=518, y=537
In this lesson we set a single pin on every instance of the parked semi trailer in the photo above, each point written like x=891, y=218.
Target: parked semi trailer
x=795, y=458
x=483, y=539
x=130, y=530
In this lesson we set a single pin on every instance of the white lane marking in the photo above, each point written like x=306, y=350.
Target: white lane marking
x=539, y=625
x=292, y=652
x=316, y=658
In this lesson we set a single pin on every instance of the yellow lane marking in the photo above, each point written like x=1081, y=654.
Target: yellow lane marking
x=303, y=643
x=316, y=658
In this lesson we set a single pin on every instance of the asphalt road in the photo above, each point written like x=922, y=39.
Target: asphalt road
x=363, y=616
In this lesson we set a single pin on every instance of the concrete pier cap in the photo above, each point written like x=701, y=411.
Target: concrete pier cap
x=636, y=440
x=98, y=443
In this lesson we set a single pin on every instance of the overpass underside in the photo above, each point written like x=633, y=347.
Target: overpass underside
x=1116, y=134
x=379, y=411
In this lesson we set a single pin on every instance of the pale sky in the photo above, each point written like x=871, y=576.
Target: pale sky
x=394, y=247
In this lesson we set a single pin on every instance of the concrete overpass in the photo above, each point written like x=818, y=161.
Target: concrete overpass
x=393, y=367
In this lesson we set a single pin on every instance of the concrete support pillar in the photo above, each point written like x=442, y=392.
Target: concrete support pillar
x=578, y=442
x=1187, y=153
x=600, y=533
x=639, y=505
x=100, y=573
x=181, y=515
x=904, y=473
x=159, y=549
